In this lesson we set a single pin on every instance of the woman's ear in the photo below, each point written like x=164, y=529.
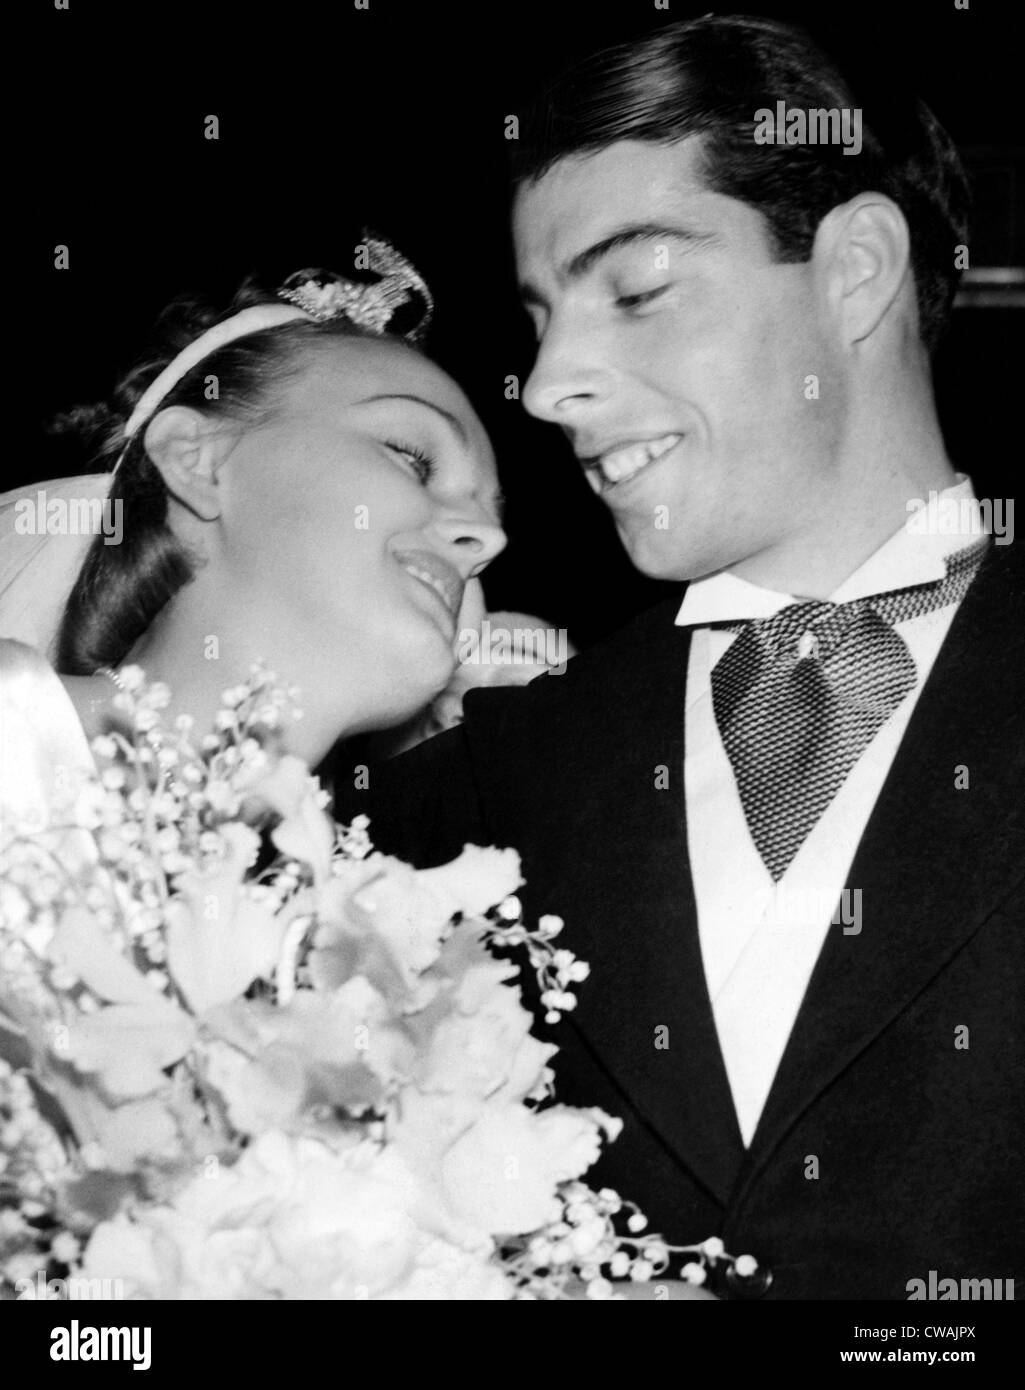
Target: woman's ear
x=186, y=449
x=864, y=249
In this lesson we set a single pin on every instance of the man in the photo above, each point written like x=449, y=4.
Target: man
x=782, y=820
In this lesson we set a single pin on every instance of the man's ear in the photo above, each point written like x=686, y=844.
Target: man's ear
x=864, y=249
x=186, y=449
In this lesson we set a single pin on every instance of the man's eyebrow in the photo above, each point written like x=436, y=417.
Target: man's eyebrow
x=579, y=265
x=453, y=420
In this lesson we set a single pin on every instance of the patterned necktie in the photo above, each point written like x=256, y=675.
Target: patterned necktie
x=798, y=697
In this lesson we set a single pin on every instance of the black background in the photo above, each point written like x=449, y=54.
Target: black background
x=332, y=117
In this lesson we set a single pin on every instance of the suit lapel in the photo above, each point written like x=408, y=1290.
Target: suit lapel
x=933, y=861
x=631, y=877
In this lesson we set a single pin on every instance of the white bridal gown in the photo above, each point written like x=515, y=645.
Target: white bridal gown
x=43, y=748
x=44, y=756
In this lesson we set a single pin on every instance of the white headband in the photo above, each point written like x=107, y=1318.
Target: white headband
x=247, y=321
x=315, y=295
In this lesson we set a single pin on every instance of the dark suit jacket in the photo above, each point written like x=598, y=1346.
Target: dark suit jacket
x=884, y=1150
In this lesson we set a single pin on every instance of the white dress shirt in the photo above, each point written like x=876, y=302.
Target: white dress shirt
x=760, y=939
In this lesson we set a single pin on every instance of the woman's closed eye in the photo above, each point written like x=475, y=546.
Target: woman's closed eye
x=420, y=462
x=635, y=301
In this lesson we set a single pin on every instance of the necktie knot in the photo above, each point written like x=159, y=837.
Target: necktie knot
x=807, y=631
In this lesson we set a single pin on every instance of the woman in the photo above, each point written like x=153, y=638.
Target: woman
x=298, y=483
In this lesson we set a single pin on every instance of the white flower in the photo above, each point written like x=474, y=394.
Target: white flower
x=65, y=1247
x=221, y=796
x=484, y=1046
x=220, y=936
x=501, y=1174
x=132, y=677
x=478, y=880
x=377, y=904
x=292, y=1219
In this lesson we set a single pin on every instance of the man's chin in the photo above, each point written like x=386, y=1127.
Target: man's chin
x=671, y=566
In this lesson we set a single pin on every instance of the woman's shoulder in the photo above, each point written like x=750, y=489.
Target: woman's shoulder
x=43, y=747
x=19, y=659
x=29, y=682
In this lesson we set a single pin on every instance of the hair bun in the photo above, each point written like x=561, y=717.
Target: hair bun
x=88, y=423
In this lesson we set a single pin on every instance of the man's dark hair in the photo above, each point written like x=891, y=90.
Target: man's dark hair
x=708, y=77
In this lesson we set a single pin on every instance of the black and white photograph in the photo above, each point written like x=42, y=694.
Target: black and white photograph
x=512, y=674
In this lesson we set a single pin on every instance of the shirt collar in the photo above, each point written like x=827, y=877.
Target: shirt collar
x=938, y=526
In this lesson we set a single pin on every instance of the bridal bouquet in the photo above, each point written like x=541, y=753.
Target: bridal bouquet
x=255, y=1059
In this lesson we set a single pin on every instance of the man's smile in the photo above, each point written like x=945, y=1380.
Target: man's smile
x=622, y=461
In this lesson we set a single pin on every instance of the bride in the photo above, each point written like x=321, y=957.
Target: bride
x=300, y=484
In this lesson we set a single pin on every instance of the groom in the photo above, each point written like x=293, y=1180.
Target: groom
x=782, y=819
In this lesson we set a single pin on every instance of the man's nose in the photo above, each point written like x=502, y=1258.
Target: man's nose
x=567, y=375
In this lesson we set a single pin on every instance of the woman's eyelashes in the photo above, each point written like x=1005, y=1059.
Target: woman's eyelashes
x=420, y=462
x=637, y=301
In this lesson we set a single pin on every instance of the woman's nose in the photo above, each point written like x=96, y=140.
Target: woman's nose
x=476, y=540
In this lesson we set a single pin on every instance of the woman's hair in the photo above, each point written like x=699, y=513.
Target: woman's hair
x=709, y=77
x=121, y=588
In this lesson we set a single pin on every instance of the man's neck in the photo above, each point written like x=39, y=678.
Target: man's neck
x=886, y=465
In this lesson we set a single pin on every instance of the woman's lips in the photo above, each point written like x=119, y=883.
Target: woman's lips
x=436, y=574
